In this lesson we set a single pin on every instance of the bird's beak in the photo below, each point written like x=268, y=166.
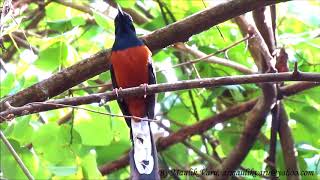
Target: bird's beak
x=119, y=9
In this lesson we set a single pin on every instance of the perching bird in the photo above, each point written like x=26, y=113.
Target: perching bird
x=131, y=66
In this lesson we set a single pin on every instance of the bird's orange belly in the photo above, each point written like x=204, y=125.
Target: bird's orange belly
x=131, y=69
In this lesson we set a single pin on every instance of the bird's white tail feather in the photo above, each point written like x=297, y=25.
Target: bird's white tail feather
x=142, y=144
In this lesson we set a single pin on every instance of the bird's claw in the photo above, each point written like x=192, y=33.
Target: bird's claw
x=116, y=90
x=145, y=85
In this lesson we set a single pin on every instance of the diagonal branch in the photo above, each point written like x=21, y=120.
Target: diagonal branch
x=255, y=121
x=287, y=144
x=203, y=126
x=79, y=7
x=264, y=27
x=212, y=59
x=98, y=63
x=257, y=47
x=258, y=114
x=184, y=133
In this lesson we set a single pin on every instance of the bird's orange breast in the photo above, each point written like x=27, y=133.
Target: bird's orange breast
x=131, y=69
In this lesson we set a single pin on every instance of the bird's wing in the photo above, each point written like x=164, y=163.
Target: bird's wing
x=151, y=99
x=123, y=106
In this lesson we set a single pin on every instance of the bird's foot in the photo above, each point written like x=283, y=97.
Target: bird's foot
x=145, y=85
x=116, y=90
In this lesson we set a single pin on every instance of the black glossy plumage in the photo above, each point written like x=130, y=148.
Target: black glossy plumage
x=125, y=33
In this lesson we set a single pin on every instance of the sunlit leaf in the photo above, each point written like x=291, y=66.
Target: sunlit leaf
x=66, y=24
x=7, y=84
x=103, y=21
x=127, y=4
x=52, y=57
x=93, y=128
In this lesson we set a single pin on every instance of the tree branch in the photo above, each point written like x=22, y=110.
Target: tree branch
x=184, y=133
x=82, y=8
x=258, y=114
x=212, y=59
x=165, y=87
x=297, y=87
x=287, y=144
x=36, y=17
x=201, y=127
x=258, y=48
x=264, y=27
x=266, y=30
x=98, y=63
x=255, y=121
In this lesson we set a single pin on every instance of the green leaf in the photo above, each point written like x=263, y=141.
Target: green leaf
x=154, y=24
x=51, y=142
x=89, y=167
x=120, y=142
x=63, y=170
x=52, y=57
x=10, y=167
x=66, y=24
x=55, y=11
x=120, y=174
x=22, y=130
x=181, y=114
x=178, y=153
x=94, y=128
x=229, y=135
x=103, y=21
x=305, y=125
x=126, y=4
x=28, y=81
x=236, y=92
x=254, y=160
x=105, y=76
x=7, y=84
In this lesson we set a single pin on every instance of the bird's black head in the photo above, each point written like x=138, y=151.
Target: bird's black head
x=123, y=23
x=125, y=32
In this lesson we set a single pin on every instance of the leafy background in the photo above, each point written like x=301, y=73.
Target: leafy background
x=65, y=36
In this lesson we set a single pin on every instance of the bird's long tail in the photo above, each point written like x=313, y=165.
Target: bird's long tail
x=143, y=155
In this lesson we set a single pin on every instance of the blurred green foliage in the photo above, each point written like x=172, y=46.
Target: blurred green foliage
x=65, y=36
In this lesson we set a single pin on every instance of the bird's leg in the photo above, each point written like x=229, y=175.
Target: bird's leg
x=116, y=90
x=145, y=85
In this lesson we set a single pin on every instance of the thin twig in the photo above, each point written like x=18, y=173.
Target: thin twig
x=164, y=16
x=271, y=160
x=83, y=8
x=3, y=66
x=209, y=55
x=196, y=115
x=215, y=60
x=287, y=145
x=90, y=110
x=16, y=156
x=108, y=85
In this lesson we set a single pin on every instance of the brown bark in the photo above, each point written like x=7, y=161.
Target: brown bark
x=98, y=63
